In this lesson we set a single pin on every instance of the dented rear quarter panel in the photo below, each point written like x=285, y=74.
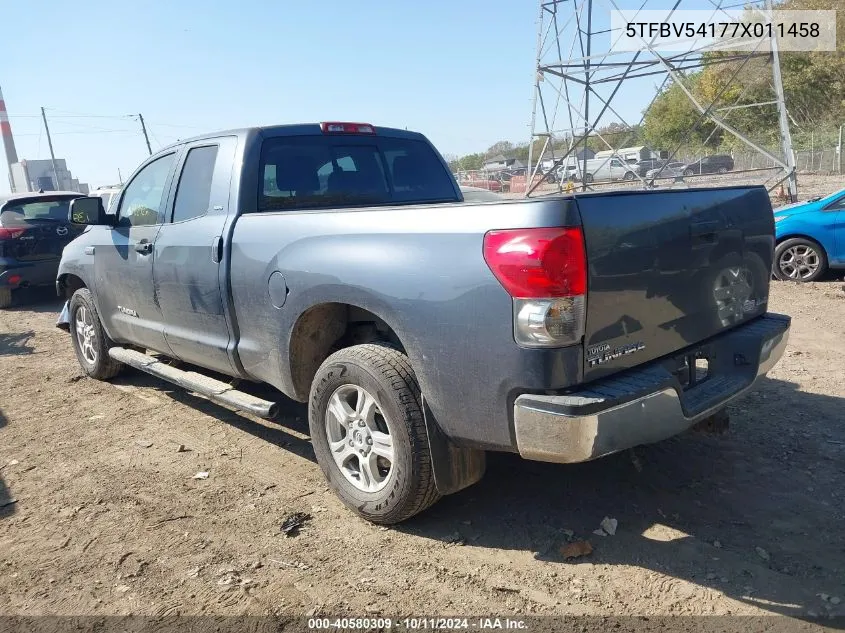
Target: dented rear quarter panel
x=421, y=270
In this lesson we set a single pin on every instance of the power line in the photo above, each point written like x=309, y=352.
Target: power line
x=155, y=138
x=68, y=113
x=91, y=127
x=104, y=116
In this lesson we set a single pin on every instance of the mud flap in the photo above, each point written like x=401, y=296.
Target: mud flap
x=455, y=467
x=64, y=318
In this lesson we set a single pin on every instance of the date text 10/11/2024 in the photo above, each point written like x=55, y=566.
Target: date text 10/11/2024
x=414, y=624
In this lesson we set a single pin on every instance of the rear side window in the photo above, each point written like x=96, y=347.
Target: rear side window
x=333, y=171
x=193, y=194
x=42, y=209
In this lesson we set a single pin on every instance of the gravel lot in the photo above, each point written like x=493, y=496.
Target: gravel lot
x=108, y=519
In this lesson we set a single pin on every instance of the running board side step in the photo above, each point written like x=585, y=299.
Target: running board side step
x=215, y=390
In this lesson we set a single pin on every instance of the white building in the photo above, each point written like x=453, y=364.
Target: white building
x=35, y=175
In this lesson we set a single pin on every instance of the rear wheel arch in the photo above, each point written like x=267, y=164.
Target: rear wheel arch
x=325, y=328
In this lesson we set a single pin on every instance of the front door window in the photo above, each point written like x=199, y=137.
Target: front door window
x=142, y=203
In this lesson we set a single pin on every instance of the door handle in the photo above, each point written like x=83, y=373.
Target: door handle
x=144, y=247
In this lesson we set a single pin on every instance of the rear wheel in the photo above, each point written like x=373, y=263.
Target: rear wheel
x=89, y=339
x=5, y=297
x=588, y=178
x=629, y=176
x=799, y=259
x=368, y=432
x=723, y=170
x=688, y=172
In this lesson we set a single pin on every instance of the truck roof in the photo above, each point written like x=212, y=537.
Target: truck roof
x=295, y=129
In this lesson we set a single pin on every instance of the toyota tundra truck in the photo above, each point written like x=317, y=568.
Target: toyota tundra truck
x=339, y=263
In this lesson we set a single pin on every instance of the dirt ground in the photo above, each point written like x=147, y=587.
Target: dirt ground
x=108, y=519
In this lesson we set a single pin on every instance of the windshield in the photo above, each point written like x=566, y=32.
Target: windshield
x=39, y=210
x=325, y=171
x=833, y=196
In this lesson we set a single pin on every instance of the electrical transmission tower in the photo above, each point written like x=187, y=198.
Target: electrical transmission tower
x=582, y=85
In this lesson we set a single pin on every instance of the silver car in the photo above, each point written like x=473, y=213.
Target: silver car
x=671, y=170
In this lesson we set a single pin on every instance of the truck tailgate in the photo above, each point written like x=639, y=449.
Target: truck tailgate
x=670, y=269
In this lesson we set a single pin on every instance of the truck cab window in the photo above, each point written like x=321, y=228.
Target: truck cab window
x=193, y=195
x=322, y=171
x=143, y=200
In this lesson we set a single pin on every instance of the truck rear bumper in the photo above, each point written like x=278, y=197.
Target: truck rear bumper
x=647, y=404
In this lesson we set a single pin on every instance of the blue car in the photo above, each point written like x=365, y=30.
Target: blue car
x=810, y=238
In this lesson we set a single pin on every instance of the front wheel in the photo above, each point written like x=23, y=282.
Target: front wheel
x=688, y=172
x=366, y=421
x=89, y=339
x=723, y=170
x=588, y=178
x=629, y=176
x=799, y=259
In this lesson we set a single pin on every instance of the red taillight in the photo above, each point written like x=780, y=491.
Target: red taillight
x=10, y=234
x=14, y=279
x=538, y=263
x=347, y=128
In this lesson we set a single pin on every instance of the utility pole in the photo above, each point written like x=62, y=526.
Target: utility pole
x=839, y=153
x=144, y=130
x=52, y=155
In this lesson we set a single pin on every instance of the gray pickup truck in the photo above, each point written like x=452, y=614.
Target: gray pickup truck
x=338, y=263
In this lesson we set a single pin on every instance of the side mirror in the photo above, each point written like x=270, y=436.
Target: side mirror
x=89, y=211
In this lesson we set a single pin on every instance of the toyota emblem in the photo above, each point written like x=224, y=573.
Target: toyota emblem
x=61, y=230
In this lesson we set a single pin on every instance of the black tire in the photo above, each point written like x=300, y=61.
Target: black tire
x=723, y=170
x=688, y=172
x=386, y=374
x=5, y=297
x=588, y=178
x=799, y=244
x=629, y=176
x=99, y=365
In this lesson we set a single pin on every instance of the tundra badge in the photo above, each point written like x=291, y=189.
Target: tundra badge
x=602, y=353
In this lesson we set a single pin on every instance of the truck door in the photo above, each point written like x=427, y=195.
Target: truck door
x=123, y=258
x=189, y=248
